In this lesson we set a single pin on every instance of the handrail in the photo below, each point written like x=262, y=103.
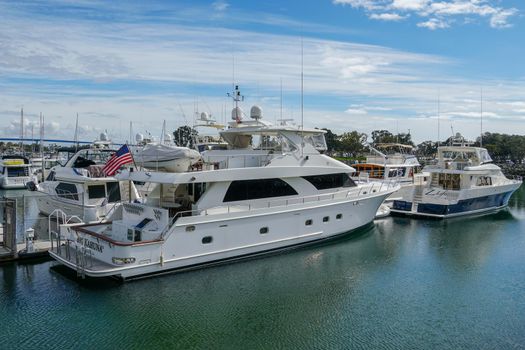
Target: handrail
x=379, y=186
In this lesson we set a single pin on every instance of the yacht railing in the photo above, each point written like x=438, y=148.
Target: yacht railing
x=363, y=191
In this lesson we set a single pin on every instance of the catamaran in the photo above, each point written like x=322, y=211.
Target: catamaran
x=244, y=201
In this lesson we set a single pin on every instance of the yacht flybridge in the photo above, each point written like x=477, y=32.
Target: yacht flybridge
x=390, y=160
x=242, y=201
x=464, y=181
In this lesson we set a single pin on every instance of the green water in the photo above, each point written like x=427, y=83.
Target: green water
x=398, y=284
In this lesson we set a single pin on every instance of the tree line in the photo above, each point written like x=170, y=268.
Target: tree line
x=501, y=147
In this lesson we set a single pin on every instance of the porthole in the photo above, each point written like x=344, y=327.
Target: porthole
x=263, y=230
x=308, y=222
x=339, y=216
x=326, y=219
x=207, y=239
x=190, y=228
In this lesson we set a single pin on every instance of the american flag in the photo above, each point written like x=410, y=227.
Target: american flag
x=118, y=159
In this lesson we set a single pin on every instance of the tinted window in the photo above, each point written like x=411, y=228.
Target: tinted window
x=113, y=192
x=16, y=171
x=66, y=190
x=96, y=191
x=323, y=182
x=255, y=189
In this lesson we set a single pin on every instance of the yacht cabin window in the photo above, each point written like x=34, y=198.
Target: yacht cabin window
x=16, y=171
x=96, y=191
x=113, y=192
x=242, y=190
x=67, y=190
x=324, y=182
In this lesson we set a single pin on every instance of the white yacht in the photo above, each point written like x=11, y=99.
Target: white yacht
x=464, y=181
x=388, y=161
x=244, y=201
x=80, y=188
x=15, y=172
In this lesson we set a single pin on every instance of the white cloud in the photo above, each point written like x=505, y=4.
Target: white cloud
x=500, y=19
x=356, y=111
x=433, y=24
x=412, y=5
x=440, y=12
x=220, y=6
x=387, y=16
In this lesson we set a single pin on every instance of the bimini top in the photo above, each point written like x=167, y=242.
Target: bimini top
x=473, y=156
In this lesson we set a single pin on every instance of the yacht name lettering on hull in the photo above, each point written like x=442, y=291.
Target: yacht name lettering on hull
x=90, y=244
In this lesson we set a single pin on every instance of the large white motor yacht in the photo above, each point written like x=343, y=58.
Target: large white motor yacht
x=15, y=172
x=244, y=201
x=464, y=181
x=81, y=189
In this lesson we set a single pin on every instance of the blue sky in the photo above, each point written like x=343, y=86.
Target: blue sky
x=368, y=64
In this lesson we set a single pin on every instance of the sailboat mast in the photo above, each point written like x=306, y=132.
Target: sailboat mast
x=22, y=130
x=302, y=96
x=481, y=118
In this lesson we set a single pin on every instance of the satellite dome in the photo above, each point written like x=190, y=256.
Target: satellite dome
x=103, y=136
x=168, y=137
x=256, y=112
x=204, y=116
x=139, y=138
x=237, y=113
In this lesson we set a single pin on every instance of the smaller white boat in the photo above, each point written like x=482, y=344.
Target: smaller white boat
x=390, y=162
x=15, y=172
x=81, y=189
x=166, y=157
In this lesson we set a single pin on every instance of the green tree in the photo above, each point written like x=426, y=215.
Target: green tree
x=382, y=136
x=352, y=142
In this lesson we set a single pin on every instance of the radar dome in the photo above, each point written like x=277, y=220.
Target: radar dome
x=256, y=112
x=237, y=113
x=139, y=138
x=204, y=116
x=103, y=136
x=168, y=138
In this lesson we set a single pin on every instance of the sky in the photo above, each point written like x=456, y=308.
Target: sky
x=400, y=65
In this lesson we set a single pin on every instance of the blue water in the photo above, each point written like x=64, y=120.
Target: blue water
x=399, y=284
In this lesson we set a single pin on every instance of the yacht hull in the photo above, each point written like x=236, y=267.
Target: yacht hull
x=233, y=236
x=14, y=182
x=499, y=198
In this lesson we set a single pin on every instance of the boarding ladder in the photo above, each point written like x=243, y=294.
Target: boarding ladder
x=62, y=246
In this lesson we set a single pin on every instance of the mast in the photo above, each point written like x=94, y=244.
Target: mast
x=22, y=130
x=76, y=135
x=302, y=96
x=481, y=118
x=130, y=132
x=438, y=117
x=281, y=113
